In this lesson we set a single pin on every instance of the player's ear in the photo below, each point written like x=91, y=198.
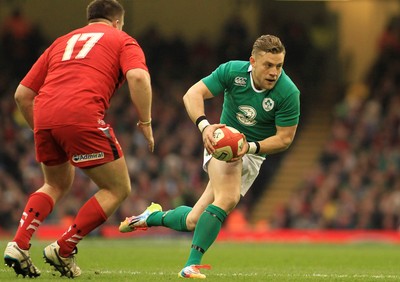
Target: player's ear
x=118, y=23
x=252, y=60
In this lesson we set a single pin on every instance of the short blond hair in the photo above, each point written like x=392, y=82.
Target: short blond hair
x=269, y=44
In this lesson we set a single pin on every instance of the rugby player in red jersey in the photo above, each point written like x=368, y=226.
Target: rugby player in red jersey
x=64, y=98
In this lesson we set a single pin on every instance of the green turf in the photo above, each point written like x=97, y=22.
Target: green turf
x=161, y=259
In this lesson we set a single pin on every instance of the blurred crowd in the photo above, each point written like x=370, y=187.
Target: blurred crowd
x=356, y=183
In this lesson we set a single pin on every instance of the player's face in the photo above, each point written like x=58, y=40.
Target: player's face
x=267, y=68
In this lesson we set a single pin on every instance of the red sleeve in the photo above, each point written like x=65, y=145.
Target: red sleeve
x=132, y=56
x=34, y=79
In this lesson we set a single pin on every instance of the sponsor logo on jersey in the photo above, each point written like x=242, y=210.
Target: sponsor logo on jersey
x=87, y=157
x=240, y=81
x=268, y=104
x=247, y=115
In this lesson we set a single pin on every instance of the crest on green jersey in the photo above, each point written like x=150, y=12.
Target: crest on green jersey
x=268, y=104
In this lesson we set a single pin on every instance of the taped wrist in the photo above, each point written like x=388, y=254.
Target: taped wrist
x=202, y=123
x=254, y=148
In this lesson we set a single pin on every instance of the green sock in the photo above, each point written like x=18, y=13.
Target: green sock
x=174, y=219
x=206, y=232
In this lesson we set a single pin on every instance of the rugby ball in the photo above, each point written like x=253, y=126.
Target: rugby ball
x=229, y=143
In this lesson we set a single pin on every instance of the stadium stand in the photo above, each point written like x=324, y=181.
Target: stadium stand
x=356, y=184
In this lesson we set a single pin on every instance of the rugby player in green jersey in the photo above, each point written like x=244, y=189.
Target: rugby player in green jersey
x=260, y=101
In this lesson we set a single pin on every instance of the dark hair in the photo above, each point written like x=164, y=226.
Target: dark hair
x=104, y=9
x=269, y=44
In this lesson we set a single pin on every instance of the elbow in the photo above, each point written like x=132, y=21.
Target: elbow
x=18, y=95
x=17, y=98
x=23, y=95
x=185, y=98
x=188, y=97
x=286, y=142
x=137, y=76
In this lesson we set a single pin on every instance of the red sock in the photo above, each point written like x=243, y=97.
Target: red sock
x=90, y=216
x=38, y=207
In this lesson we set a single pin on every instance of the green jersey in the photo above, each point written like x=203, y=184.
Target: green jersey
x=254, y=112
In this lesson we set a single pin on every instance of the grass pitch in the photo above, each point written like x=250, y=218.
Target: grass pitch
x=161, y=259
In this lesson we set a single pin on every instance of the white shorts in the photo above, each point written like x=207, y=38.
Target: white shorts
x=250, y=170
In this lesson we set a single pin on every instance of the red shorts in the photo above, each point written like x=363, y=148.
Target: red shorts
x=83, y=146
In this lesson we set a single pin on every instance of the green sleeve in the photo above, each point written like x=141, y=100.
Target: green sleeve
x=289, y=112
x=216, y=82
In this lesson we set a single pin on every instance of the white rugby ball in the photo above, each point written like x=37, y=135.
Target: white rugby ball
x=229, y=143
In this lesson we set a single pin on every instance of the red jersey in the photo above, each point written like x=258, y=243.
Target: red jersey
x=77, y=75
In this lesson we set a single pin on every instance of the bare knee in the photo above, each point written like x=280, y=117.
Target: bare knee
x=191, y=222
x=54, y=191
x=115, y=194
x=123, y=193
x=227, y=202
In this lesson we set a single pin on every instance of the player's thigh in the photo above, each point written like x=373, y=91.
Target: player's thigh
x=98, y=153
x=225, y=177
x=47, y=148
x=59, y=175
x=111, y=176
x=225, y=180
x=58, y=172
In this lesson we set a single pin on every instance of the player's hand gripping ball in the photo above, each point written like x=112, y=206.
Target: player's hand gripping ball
x=229, y=143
